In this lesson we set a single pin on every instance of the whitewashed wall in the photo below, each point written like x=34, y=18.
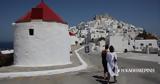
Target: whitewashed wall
x=102, y=45
x=96, y=35
x=50, y=44
x=119, y=43
x=130, y=47
x=80, y=40
x=145, y=43
x=73, y=39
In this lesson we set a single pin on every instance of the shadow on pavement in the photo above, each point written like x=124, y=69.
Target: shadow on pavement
x=102, y=80
x=98, y=77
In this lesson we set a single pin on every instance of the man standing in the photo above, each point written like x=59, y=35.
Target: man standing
x=104, y=61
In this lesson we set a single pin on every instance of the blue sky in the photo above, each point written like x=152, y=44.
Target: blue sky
x=142, y=13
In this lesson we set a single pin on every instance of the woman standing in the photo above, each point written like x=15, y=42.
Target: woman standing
x=104, y=61
x=112, y=64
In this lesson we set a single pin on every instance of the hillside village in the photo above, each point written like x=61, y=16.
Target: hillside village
x=47, y=50
x=123, y=36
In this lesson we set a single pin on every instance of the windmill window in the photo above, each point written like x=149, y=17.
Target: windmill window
x=150, y=44
x=31, y=32
x=142, y=44
x=129, y=43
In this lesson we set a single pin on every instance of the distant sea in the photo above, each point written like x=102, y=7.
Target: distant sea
x=6, y=45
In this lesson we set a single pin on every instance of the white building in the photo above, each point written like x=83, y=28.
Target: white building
x=142, y=44
x=98, y=33
x=73, y=29
x=122, y=42
x=122, y=34
x=41, y=39
x=102, y=44
x=73, y=39
x=119, y=42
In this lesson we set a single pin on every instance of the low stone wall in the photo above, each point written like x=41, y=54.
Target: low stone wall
x=6, y=59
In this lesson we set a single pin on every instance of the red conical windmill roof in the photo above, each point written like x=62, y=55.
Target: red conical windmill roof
x=41, y=11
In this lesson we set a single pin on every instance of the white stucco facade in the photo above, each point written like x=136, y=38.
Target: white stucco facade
x=50, y=44
x=141, y=44
x=120, y=43
x=98, y=33
x=102, y=44
x=73, y=40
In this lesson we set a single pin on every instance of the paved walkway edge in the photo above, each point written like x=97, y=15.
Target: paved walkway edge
x=47, y=72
